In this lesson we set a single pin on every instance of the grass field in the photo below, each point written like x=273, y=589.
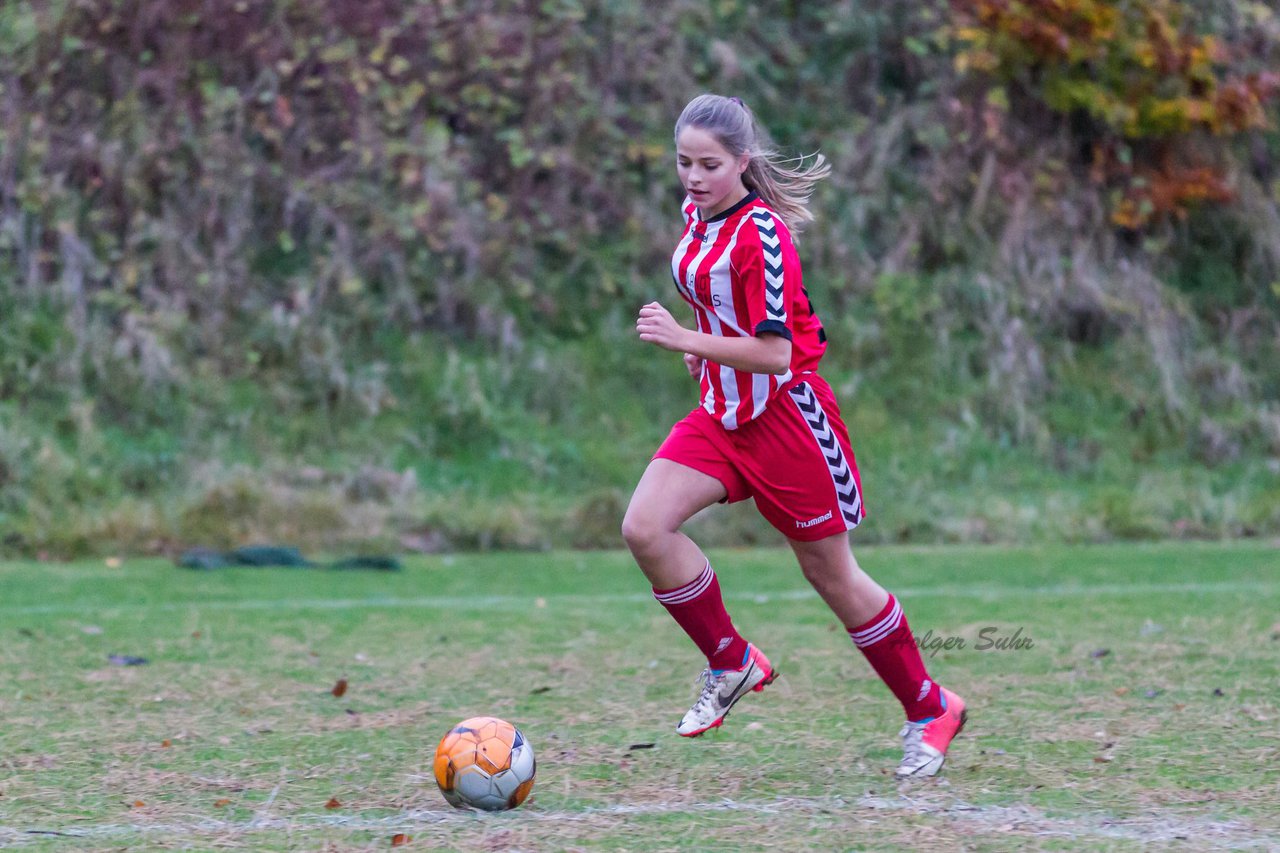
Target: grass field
x=1145, y=711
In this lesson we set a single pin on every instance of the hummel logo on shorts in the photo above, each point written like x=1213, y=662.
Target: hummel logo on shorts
x=814, y=521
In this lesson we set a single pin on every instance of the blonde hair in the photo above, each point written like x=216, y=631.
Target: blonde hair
x=783, y=184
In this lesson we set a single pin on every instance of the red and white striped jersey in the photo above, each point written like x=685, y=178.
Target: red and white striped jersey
x=740, y=272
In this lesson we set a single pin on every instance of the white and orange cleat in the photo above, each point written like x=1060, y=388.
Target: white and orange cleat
x=722, y=688
x=924, y=744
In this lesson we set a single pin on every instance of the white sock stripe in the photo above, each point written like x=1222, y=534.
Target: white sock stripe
x=689, y=591
x=880, y=630
x=863, y=642
x=686, y=598
x=887, y=627
x=889, y=618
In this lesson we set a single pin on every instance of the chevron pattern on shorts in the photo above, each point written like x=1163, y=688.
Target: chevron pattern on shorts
x=846, y=486
x=775, y=303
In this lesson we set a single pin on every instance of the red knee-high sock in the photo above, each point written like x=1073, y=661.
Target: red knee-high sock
x=888, y=646
x=699, y=609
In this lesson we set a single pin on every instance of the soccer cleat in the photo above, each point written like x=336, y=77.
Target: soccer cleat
x=722, y=688
x=924, y=744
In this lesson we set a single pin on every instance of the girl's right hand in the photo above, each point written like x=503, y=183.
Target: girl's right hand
x=694, y=365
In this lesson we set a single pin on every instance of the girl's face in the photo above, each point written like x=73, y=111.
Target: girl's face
x=710, y=174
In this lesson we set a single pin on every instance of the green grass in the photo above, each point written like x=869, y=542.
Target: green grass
x=1145, y=712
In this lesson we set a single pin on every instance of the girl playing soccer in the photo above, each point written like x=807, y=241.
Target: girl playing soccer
x=768, y=428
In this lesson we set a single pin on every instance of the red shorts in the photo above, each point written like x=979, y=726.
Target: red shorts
x=794, y=459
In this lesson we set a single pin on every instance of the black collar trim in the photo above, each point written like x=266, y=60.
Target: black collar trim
x=749, y=198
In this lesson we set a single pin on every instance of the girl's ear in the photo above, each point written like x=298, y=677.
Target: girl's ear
x=743, y=162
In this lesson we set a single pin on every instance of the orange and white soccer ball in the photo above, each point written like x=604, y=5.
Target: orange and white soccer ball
x=485, y=763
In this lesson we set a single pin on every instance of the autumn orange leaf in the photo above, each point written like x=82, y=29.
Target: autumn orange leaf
x=400, y=839
x=339, y=688
x=333, y=803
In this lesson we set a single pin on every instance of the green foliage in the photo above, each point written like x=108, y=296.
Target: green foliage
x=1140, y=71
x=411, y=235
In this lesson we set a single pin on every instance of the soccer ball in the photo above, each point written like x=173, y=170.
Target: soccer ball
x=485, y=763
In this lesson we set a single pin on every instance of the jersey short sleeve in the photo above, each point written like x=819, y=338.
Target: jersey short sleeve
x=761, y=269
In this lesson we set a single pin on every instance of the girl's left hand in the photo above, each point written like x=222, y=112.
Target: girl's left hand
x=656, y=326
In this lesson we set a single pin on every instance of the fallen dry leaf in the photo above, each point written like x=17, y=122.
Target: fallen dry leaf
x=126, y=660
x=333, y=803
x=400, y=839
x=340, y=688
x=217, y=804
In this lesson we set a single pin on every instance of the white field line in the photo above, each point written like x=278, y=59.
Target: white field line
x=524, y=602
x=1011, y=820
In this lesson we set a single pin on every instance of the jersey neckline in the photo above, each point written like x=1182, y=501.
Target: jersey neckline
x=750, y=197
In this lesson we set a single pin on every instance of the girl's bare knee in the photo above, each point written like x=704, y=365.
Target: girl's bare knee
x=640, y=532
x=822, y=577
